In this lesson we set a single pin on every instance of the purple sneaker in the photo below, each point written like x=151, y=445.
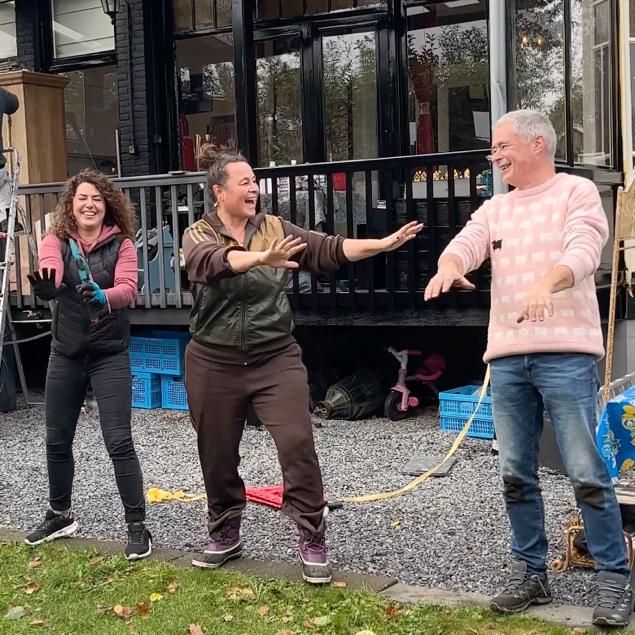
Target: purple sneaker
x=225, y=545
x=315, y=565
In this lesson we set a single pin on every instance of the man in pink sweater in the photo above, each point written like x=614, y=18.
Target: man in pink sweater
x=544, y=240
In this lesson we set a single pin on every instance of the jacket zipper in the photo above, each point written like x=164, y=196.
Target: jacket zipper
x=243, y=326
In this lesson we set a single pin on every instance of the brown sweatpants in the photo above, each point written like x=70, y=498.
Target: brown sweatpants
x=218, y=395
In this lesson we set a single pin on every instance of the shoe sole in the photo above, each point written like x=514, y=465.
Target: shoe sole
x=139, y=556
x=503, y=609
x=209, y=565
x=62, y=533
x=602, y=621
x=312, y=580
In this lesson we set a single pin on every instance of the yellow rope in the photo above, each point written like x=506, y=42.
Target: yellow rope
x=368, y=498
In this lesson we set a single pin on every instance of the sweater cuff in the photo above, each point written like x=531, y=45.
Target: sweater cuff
x=576, y=264
x=339, y=251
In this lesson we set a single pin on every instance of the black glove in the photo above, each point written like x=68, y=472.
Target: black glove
x=44, y=284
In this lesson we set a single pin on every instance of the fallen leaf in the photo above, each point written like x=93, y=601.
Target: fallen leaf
x=263, y=611
x=339, y=584
x=37, y=622
x=96, y=560
x=16, y=613
x=123, y=612
x=323, y=620
x=284, y=631
x=31, y=588
x=195, y=629
x=111, y=578
x=393, y=611
x=173, y=587
x=395, y=523
x=103, y=608
x=247, y=593
x=155, y=597
x=143, y=608
x=310, y=624
x=228, y=617
x=35, y=563
x=233, y=593
x=287, y=618
x=365, y=633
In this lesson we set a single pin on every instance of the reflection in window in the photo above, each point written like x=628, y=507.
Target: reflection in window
x=270, y=9
x=448, y=77
x=537, y=63
x=590, y=87
x=278, y=101
x=207, y=103
x=198, y=15
x=7, y=30
x=350, y=96
x=92, y=116
x=80, y=27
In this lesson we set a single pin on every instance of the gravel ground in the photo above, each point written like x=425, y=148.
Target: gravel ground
x=450, y=533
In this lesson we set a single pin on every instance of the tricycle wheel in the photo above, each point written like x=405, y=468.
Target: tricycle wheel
x=392, y=407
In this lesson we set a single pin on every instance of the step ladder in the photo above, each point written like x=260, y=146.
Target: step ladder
x=6, y=260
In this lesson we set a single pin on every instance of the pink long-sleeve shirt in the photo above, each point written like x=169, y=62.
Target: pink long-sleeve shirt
x=526, y=233
x=124, y=290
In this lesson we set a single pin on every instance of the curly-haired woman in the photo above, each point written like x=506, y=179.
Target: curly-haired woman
x=88, y=269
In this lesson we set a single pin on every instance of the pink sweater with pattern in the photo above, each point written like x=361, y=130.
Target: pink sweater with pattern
x=525, y=234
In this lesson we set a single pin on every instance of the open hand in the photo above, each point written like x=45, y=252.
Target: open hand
x=43, y=284
x=444, y=280
x=537, y=304
x=281, y=251
x=402, y=235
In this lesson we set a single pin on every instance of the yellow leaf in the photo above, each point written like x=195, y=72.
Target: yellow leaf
x=365, y=633
x=155, y=597
x=322, y=620
x=395, y=523
x=195, y=629
x=263, y=611
x=111, y=578
x=35, y=563
x=339, y=584
x=37, y=622
x=31, y=588
x=123, y=612
x=228, y=617
x=173, y=587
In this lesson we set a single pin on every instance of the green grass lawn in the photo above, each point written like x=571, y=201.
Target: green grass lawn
x=57, y=590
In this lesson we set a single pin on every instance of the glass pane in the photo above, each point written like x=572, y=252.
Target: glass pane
x=223, y=13
x=538, y=63
x=182, y=15
x=279, y=102
x=291, y=8
x=369, y=3
x=316, y=6
x=591, y=103
x=268, y=9
x=81, y=27
x=203, y=16
x=341, y=4
x=448, y=78
x=92, y=115
x=350, y=96
x=207, y=104
x=7, y=30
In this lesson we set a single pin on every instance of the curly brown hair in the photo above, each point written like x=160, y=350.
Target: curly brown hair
x=119, y=209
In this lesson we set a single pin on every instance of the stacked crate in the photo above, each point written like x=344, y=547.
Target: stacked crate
x=157, y=363
x=458, y=405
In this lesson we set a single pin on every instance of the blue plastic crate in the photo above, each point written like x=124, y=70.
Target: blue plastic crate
x=159, y=352
x=173, y=394
x=146, y=390
x=457, y=406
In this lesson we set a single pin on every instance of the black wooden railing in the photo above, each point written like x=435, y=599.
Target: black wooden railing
x=368, y=198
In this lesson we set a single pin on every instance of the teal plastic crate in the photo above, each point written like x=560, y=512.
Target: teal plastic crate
x=146, y=390
x=173, y=393
x=160, y=352
x=456, y=406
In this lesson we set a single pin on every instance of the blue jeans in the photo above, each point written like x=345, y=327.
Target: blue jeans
x=565, y=385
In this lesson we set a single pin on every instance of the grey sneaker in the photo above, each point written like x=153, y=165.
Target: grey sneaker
x=315, y=565
x=53, y=526
x=521, y=590
x=225, y=545
x=615, y=600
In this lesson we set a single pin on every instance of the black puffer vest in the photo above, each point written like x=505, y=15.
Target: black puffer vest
x=73, y=333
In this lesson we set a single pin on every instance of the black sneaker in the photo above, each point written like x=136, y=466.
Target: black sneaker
x=139, y=542
x=53, y=526
x=615, y=600
x=521, y=590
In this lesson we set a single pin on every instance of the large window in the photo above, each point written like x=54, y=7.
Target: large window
x=201, y=15
x=448, y=77
x=271, y=9
x=278, y=105
x=207, y=103
x=7, y=30
x=92, y=116
x=80, y=27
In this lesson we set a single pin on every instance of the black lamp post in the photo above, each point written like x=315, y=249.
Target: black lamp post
x=111, y=8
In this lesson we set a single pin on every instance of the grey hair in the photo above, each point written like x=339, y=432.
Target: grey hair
x=530, y=124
